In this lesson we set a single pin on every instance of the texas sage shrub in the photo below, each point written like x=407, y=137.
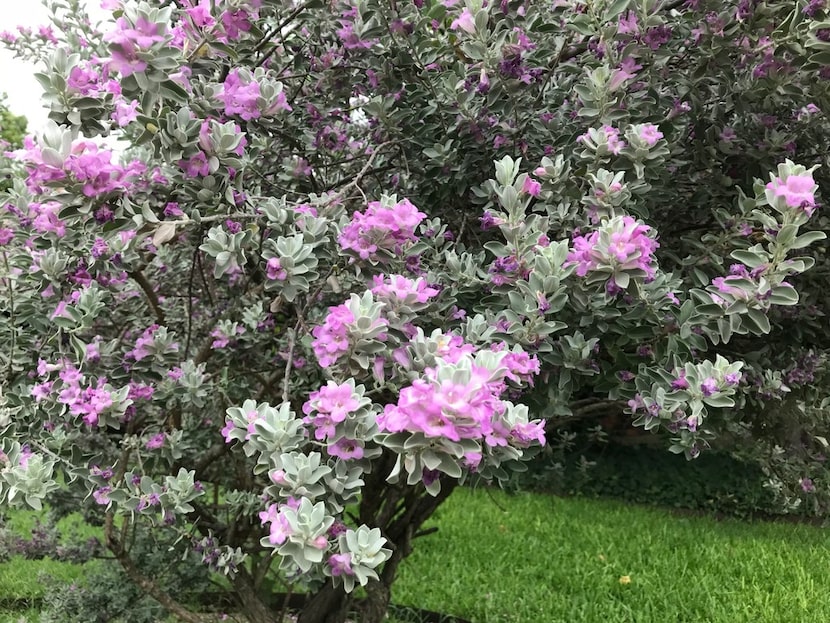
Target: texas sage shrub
x=353, y=254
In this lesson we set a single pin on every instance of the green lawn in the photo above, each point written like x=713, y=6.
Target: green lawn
x=536, y=559
x=551, y=560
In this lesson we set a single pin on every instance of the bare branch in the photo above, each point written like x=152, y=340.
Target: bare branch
x=152, y=298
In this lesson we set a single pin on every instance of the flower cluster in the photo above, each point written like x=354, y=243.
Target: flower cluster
x=331, y=339
x=358, y=320
x=681, y=400
x=741, y=284
x=619, y=250
x=339, y=415
x=382, y=230
x=233, y=21
x=793, y=191
x=399, y=290
x=91, y=401
x=153, y=341
x=84, y=163
x=604, y=141
x=130, y=41
x=461, y=402
x=243, y=95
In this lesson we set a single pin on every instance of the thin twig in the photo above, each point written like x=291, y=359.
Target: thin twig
x=152, y=298
x=366, y=169
x=289, y=361
x=190, y=303
x=279, y=28
x=12, y=322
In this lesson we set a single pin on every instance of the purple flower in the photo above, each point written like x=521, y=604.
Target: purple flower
x=650, y=134
x=341, y=564
x=156, y=441
x=709, y=387
x=797, y=191
x=732, y=378
x=465, y=21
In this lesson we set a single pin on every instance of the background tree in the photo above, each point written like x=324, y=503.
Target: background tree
x=12, y=127
x=12, y=131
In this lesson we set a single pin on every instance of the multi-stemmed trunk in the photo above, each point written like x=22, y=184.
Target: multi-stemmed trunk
x=400, y=512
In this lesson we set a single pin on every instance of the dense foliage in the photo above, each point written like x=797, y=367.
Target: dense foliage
x=12, y=131
x=715, y=483
x=12, y=127
x=297, y=311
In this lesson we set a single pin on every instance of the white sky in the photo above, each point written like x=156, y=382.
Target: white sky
x=16, y=77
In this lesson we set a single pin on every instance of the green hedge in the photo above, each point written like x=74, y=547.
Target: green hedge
x=714, y=482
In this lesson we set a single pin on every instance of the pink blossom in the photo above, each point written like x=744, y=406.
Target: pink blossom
x=237, y=21
x=447, y=409
x=274, y=270
x=624, y=246
x=346, y=449
x=797, y=190
x=84, y=80
x=336, y=400
x=628, y=24
x=526, y=434
x=331, y=339
x=709, y=386
x=196, y=166
x=125, y=112
x=531, y=187
x=615, y=144
x=280, y=529
x=340, y=564
x=240, y=96
x=41, y=391
x=380, y=229
x=650, y=134
x=156, y=441
x=101, y=495
x=401, y=290
x=680, y=382
x=451, y=348
x=465, y=21
x=628, y=69
x=521, y=367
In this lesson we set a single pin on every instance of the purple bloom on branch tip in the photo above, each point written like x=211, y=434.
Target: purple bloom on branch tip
x=465, y=21
x=797, y=190
x=709, y=387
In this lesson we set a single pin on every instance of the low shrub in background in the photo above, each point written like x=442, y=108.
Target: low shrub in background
x=717, y=482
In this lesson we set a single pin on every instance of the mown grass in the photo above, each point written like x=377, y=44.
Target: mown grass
x=532, y=558
x=25, y=581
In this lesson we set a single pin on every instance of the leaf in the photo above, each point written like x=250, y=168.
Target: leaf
x=165, y=232
x=760, y=319
x=806, y=239
x=148, y=214
x=783, y=295
x=719, y=401
x=617, y=7
x=751, y=259
x=582, y=24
